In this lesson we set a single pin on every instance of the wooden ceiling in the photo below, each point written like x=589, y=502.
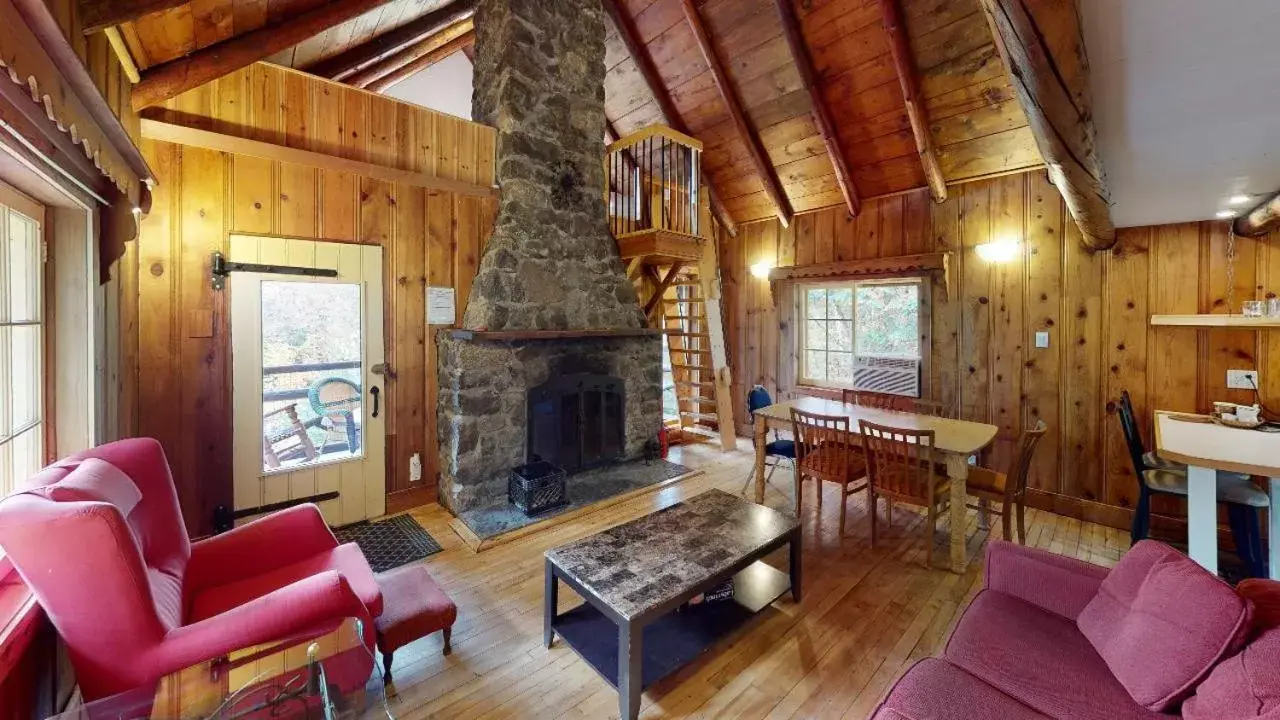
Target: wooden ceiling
x=975, y=122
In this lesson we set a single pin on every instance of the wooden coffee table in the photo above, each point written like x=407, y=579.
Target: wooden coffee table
x=636, y=577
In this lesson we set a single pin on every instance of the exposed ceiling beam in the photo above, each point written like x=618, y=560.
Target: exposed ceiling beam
x=904, y=63
x=821, y=113
x=178, y=76
x=1049, y=72
x=122, y=54
x=422, y=63
x=631, y=38
x=1260, y=220
x=98, y=15
x=764, y=168
x=379, y=48
x=396, y=61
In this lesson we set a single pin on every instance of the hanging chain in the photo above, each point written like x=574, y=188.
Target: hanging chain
x=1231, y=268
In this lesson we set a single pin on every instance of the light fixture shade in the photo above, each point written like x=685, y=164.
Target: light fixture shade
x=999, y=251
x=761, y=269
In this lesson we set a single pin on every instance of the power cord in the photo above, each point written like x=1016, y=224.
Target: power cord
x=1257, y=396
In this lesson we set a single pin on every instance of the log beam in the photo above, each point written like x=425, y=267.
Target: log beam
x=821, y=113
x=1051, y=82
x=96, y=15
x=182, y=74
x=383, y=46
x=904, y=64
x=764, y=168
x=418, y=65
x=1260, y=220
x=631, y=37
x=416, y=51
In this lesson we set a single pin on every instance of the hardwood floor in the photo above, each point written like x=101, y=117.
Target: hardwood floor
x=866, y=616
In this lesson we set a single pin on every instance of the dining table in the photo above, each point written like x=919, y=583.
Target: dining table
x=1206, y=447
x=955, y=440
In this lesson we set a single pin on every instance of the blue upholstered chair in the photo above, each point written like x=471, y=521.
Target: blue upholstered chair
x=777, y=451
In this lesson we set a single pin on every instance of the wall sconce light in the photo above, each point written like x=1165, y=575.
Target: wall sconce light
x=999, y=251
x=761, y=269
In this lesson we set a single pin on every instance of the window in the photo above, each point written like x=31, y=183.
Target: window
x=856, y=334
x=21, y=349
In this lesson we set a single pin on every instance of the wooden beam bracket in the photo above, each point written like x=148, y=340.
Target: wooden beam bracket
x=764, y=168
x=821, y=113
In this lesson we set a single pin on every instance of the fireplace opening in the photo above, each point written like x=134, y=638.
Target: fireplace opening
x=576, y=421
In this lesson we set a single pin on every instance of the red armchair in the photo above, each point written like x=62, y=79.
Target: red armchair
x=100, y=541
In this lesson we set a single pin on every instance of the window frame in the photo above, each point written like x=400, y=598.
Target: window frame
x=39, y=319
x=800, y=350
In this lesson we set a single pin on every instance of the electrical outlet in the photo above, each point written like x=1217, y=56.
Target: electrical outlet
x=1242, y=379
x=415, y=468
x=1042, y=339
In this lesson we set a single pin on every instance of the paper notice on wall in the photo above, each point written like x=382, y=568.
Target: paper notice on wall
x=441, y=309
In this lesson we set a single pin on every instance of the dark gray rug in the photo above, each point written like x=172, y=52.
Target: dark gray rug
x=585, y=488
x=390, y=543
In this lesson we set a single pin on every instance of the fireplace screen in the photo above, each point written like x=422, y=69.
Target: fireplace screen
x=576, y=421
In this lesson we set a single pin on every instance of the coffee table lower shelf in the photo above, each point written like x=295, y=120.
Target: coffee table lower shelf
x=677, y=638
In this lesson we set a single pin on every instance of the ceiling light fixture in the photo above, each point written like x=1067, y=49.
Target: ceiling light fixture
x=1236, y=200
x=999, y=251
x=1224, y=214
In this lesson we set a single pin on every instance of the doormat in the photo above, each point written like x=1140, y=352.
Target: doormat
x=389, y=543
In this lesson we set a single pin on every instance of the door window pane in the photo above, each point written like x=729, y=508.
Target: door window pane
x=312, y=362
x=24, y=269
x=22, y=378
x=24, y=405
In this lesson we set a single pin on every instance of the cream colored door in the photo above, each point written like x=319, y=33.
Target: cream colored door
x=307, y=400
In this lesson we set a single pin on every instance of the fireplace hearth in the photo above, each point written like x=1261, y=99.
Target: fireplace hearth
x=577, y=421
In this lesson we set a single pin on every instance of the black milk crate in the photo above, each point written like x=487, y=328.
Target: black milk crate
x=537, y=487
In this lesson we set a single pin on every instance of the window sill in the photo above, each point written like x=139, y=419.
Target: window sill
x=20, y=618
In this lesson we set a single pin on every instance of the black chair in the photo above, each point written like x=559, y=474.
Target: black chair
x=1159, y=476
x=777, y=451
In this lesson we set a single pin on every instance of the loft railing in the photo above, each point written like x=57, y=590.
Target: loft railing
x=652, y=180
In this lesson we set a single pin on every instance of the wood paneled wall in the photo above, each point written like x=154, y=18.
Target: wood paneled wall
x=181, y=356
x=983, y=356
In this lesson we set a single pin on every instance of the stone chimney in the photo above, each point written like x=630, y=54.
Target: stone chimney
x=551, y=263
x=551, y=266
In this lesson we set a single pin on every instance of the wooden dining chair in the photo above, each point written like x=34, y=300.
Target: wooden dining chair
x=879, y=401
x=922, y=406
x=1008, y=490
x=826, y=452
x=902, y=466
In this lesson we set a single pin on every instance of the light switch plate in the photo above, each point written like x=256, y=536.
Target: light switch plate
x=1242, y=380
x=1042, y=339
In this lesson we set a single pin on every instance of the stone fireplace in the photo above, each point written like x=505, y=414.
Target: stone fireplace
x=550, y=305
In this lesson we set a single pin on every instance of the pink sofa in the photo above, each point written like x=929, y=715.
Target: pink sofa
x=1053, y=637
x=100, y=541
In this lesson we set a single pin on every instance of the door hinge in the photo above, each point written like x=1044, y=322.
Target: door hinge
x=221, y=268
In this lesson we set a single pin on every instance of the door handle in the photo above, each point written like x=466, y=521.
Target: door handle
x=375, y=392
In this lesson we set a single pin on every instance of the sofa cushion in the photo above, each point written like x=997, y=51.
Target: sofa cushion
x=1265, y=596
x=346, y=559
x=1161, y=622
x=1038, y=658
x=935, y=689
x=1246, y=685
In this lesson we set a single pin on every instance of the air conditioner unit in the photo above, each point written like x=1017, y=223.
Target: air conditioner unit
x=890, y=375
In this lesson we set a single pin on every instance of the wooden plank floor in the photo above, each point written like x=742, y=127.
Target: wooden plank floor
x=867, y=614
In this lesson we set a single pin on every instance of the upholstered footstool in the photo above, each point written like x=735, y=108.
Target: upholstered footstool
x=413, y=607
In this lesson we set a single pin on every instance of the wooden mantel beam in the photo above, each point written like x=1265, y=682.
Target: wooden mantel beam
x=1260, y=220
x=182, y=74
x=370, y=74
x=764, y=168
x=1050, y=74
x=96, y=15
x=904, y=63
x=627, y=31
x=379, y=48
x=821, y=113
x=419, y=64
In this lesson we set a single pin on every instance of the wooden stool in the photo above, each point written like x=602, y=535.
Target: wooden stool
x=413, y=607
